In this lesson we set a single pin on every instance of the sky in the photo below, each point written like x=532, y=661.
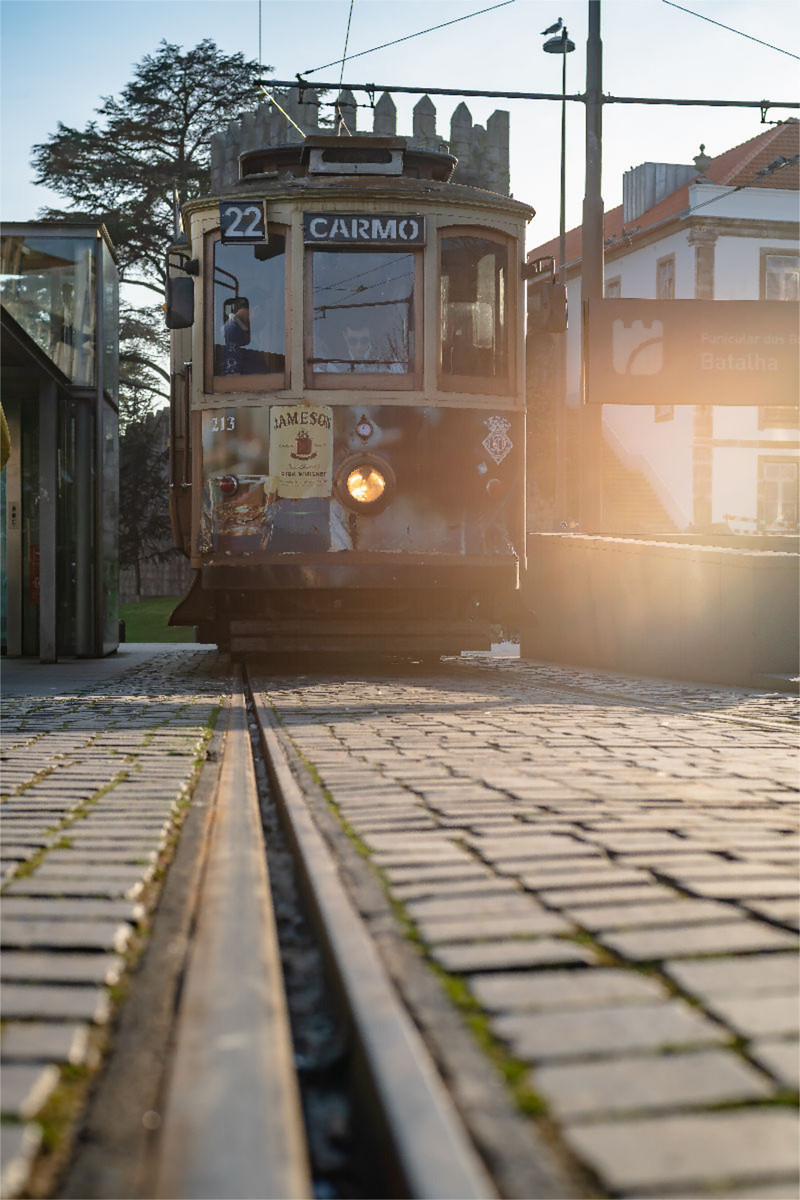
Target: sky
x=59, y=57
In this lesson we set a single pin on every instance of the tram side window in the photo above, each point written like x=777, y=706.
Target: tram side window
x=249, y=310
x=474, y=316
x=362, y=314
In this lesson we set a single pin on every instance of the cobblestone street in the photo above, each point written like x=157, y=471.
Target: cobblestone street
x=612, y=865
x=95, y=781
x=602, y=871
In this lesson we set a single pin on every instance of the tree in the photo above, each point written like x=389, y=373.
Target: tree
x=150, y=140
x=144, y=525
x=124, y=168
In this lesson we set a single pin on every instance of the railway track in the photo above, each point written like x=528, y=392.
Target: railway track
x=331, y=1091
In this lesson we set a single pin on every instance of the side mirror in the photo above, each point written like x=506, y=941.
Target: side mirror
x=547, y=307
x=179, y=306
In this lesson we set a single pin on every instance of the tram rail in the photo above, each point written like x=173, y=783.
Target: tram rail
x=233, y=1123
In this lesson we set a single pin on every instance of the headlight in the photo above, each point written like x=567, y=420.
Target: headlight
x=364, y=483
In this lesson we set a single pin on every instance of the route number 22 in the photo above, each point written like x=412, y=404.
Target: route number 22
x=243, y=223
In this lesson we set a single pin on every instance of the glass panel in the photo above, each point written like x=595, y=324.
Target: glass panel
x=783, y=277
x=250, y=308
x=75, y=529
x=66, y=529
x=29, y=429
x=474, y=317
x=47, y=285
x=3, y=567
x=110, y=325
x=110, y=536
x=780, y=496
x=363, y=318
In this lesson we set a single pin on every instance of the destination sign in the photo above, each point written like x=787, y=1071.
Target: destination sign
x=243, y=222
x=693, y=352
x=388, y=229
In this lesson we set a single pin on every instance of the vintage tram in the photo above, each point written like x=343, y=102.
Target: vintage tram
x=347, y=460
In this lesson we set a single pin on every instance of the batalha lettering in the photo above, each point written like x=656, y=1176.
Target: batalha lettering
x=400, y=229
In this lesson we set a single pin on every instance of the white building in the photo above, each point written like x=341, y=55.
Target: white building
x=713, y=230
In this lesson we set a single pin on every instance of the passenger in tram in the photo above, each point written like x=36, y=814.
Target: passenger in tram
x=236, y=335
x=358, y=354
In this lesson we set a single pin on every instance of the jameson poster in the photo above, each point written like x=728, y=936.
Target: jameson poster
x=301, y=450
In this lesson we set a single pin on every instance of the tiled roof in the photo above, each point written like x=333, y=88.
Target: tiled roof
x=738, y=165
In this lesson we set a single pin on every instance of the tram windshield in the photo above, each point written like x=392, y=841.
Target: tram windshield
x=250, y=308
x=474, y=274
x=363, y=312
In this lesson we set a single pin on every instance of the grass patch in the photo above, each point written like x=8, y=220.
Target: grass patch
x=146, y=621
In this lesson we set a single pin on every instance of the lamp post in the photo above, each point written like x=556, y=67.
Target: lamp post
x=592, y=253
x=561, y=44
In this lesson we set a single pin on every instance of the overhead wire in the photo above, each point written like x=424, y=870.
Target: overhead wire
x=326, y=287
x=341, y=124
x=730, y=29
x=271, y=95
x=407, y=37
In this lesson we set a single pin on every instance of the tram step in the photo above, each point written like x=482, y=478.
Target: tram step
x=326, y=643
x=323, y=628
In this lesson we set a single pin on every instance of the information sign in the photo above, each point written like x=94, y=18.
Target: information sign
x=359, y=229
x=692, y=352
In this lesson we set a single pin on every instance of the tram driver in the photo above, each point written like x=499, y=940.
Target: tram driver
x=358, y=354
x=235, y=336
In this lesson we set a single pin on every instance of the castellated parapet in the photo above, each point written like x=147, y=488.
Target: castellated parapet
x=482, y=151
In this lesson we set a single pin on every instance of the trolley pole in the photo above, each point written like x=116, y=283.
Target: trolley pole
x=591, y=500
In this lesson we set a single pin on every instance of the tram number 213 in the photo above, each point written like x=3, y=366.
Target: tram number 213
x=223, y=424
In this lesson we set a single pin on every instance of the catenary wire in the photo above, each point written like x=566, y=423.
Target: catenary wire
x=407, y=37
x=341, y=124
x=730, y=29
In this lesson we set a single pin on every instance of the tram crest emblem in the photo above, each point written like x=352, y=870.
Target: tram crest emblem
x=498, y=443
x=304, y=447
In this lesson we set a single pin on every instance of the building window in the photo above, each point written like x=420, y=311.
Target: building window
x=665, y=278
x=776, y=416
x=778, y=495
x=614, y=288
x=780, y=275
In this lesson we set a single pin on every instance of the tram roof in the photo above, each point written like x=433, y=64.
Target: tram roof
x=380, y=189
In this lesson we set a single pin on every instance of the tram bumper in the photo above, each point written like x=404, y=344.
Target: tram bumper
x=402, y=608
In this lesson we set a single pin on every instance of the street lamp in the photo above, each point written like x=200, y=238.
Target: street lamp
x=560, y=44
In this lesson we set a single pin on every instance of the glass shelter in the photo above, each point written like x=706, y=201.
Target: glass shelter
x=60, y=487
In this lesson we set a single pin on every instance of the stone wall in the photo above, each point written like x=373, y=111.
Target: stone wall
x=677, y=611
x=170, y=577
x=482, y=151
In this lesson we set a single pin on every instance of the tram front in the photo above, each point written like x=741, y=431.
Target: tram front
x=351, y=426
